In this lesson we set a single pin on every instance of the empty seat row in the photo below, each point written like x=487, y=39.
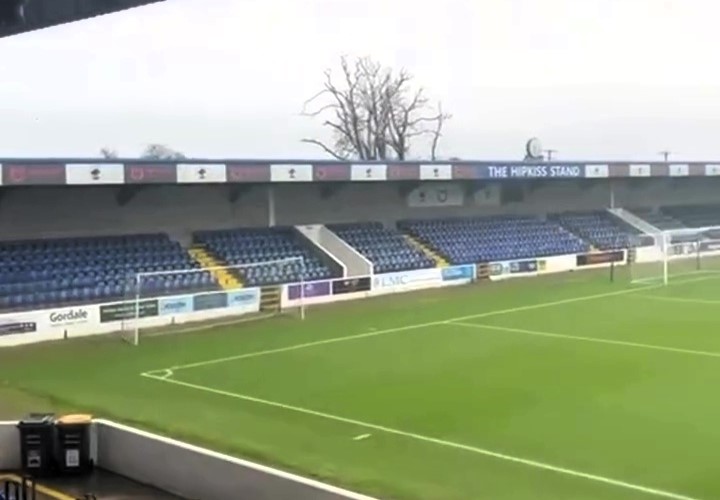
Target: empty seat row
x=53, y=272
x=694, y=215
x=487, y=239
x=386, y=248
x=278, y=253
x=603, y=230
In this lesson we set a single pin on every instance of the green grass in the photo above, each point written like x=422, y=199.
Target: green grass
x=648, y=417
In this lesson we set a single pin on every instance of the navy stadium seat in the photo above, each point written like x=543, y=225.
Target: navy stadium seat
x=471, y=240
x=386, y=248
x=252, y=246
x=600, y=228
x=50, y=273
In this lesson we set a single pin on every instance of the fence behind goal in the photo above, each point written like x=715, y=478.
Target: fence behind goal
x=221, y=288
x=676, y=253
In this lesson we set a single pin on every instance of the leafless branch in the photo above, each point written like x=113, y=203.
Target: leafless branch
x=324, y=147
x=437, y=133
x=372, y=112
x=109, y=153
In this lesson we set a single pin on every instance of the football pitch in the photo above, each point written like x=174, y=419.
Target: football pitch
x=564, y=387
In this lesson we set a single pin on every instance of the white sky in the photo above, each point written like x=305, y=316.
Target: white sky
x=227, y=78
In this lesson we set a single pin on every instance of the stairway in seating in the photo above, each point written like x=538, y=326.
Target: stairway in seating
x=439, y=260
x=270, y=298
x=225, y=277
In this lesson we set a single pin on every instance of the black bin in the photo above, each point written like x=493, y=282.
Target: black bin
x=73, y=444
x=37, y=439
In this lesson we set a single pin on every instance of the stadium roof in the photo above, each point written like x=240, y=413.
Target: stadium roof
x=39, y=14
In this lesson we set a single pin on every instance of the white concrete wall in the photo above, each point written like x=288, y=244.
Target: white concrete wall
x=196, y=472
x=313, y=233
x=354, y=262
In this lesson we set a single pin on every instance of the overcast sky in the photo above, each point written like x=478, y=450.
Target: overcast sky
x=227, y=78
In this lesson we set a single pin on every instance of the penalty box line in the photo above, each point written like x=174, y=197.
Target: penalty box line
x=680, y=299
x=595, y=340
x=166, y=377
x=417, y=326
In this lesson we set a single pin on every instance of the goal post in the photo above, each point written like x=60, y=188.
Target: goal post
x=223, y=291
x=678, y=252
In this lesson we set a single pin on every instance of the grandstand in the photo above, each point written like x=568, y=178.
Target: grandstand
x=346, y=330
x=93, y=256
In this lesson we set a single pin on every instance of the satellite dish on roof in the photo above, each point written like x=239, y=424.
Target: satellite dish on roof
x=534, y=149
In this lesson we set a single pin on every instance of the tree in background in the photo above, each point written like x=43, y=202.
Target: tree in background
x=160, y=152
x=374, y=113
x=151, y=152
x=109, y=153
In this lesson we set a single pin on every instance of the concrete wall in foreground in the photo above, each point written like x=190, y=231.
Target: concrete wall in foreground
x=183, y=469
x=194, y=472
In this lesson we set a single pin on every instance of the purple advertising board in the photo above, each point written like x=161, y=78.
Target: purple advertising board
x=314, y=289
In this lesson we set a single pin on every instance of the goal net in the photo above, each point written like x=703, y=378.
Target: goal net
x=676, y=253
x=226, y=294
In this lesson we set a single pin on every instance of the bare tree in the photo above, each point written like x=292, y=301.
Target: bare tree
x=374, y=113
x=109, y=153
x=161, y=152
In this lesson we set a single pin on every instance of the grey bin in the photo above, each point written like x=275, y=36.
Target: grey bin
x=37, y=439
x=73, y=444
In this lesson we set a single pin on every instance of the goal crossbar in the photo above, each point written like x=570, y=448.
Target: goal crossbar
x=676, y=252
x=132, y=327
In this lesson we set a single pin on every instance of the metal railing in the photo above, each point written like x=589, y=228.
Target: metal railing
x=18, y=488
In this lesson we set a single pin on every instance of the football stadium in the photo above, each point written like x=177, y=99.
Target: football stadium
x=384, y=324
x=402, y=330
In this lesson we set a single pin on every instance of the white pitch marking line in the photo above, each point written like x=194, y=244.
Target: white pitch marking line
x=623, y=343
x=361, y=437
x=158, y=374
x=450, y=444
x=375, y=333
x=680, y=299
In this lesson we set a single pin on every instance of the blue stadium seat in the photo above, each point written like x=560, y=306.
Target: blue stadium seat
x=249, y=246
x=694, y=215
x=386, y=248
x=487, y=239
x=601, y=229
x=49, y=273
